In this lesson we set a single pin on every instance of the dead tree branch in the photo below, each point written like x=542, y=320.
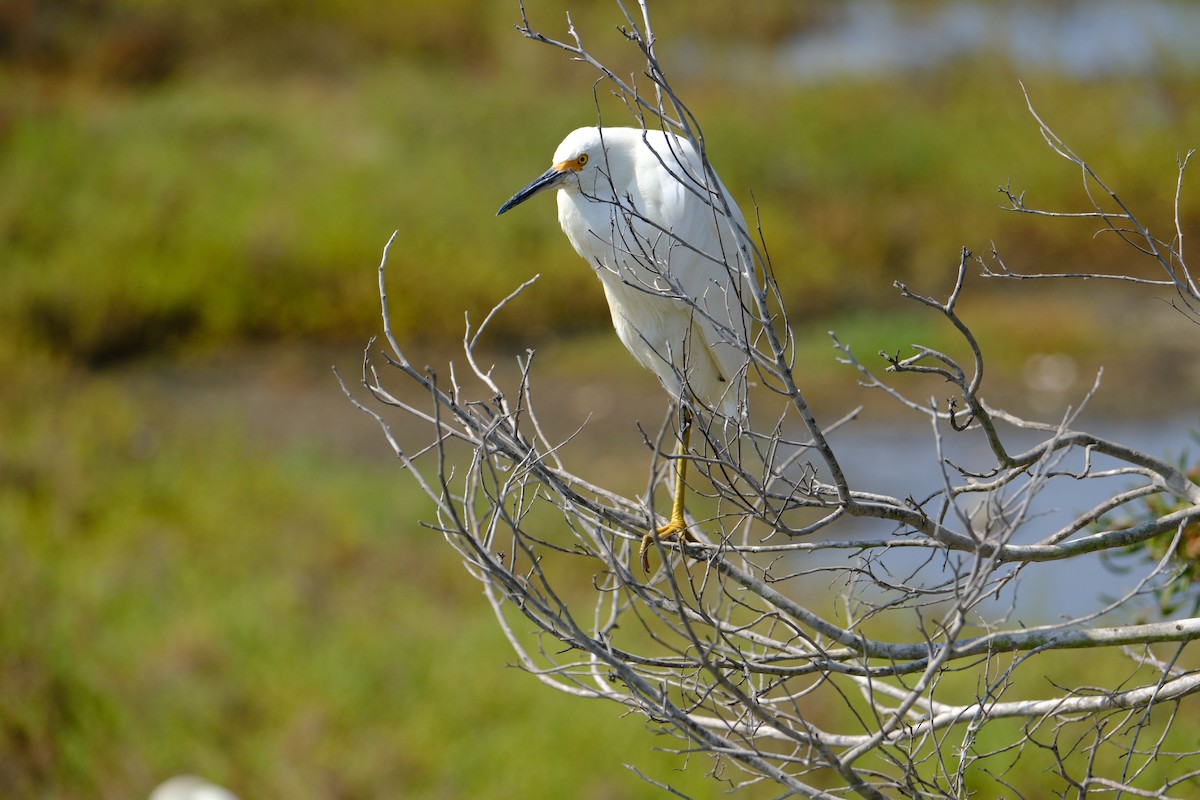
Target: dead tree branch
x=785, y=642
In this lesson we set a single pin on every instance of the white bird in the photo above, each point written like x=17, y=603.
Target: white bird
x=189, y=787
x=665, y=241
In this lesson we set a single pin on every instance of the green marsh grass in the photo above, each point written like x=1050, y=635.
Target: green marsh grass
x=181, y=593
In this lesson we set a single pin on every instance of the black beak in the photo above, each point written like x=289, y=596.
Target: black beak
x=550, y=178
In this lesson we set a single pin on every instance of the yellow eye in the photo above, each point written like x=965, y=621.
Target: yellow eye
x=582, y=160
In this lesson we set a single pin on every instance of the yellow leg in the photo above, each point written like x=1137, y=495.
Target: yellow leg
x=676, y=528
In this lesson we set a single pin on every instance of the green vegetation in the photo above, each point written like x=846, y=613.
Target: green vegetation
x=245, y=195
x=1180, y=596
x=181, y=592
x=193, y=600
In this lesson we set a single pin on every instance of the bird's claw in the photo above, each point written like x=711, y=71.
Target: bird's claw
x=675, y=529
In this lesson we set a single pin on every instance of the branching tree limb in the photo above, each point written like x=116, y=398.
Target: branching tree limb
x=1115, y=217
x=910, y=680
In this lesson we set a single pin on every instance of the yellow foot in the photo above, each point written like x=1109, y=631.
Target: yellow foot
x=675, y=529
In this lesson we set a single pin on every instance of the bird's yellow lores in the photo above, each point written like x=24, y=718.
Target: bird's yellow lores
x=639, y=208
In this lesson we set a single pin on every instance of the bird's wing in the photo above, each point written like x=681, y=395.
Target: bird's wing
x=705, y=255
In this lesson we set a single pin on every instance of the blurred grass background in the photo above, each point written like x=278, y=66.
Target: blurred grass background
x=210, y=564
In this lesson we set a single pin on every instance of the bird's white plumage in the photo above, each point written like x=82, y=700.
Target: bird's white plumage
x=188, y=787
x=666, y=241
x=641, y=212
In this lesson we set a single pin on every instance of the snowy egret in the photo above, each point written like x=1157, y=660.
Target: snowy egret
x=664, y=239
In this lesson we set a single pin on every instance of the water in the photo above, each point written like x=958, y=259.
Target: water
x=1088, y=40
x=903, y=463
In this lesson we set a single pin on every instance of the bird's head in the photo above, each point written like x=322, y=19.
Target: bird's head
x=575, y=158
